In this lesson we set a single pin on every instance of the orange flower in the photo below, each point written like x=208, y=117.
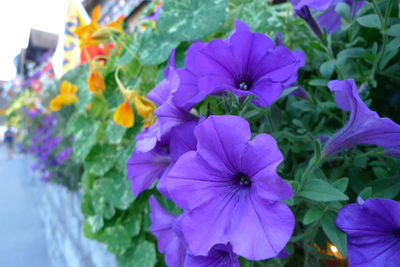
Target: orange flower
x=124, y=115
x=96, y=82
x=93, y=33
x=65, y=97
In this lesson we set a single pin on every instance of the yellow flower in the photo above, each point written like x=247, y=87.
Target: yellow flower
x=56, y=103
x=144, y=107
x=96, y=82
x=66, y=96
x=147, y=122
x=124, y=115
x=67, y=88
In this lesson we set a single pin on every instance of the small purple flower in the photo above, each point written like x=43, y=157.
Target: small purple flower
x=305, y=14
x=170, y=242
x=145, y=167
x=364, y=127
x=329, y=19
x=228, y=196
x=373, y=232
x=245, y=64
x=64, y=155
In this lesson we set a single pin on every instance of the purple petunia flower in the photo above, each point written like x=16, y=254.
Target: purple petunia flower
x=245, y=64
x=170, y=242
x=64, y=155
x=228, y=196
x=364, y=125
x=145, y=167
x=373, y=232
x=329, y=19
x=168, y=114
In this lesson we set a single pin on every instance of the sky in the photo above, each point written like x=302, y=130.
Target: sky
x=17, y=17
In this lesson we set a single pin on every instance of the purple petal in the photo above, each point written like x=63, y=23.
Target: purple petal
x=266, y=182
x=219, y=256
x=145, y=167
x=170, y=64
x=168, y=242
x=221, y=139
x=373, y=231
x=364, y=125
x=247, y=222
x=182, y=139
x=192, y=181
x=330, y=20
x=160, y=93
x=188, y=94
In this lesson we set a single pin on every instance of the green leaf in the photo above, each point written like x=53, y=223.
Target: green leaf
x=354, y=52
x=370, y=21
x=318, y=82
x=99, y=108
x=100, y=206
x=186, y=20
x=156, y=47
x=341, y=184
x=394, y=30
x=312, y=215
x=114, y=133
x=337, y=237
x=84, y=96
x=133, y=222
x=76, y=123
x=84, y=141
x=394, y=44
x=320, y=190
x=256, y=14
x=327, y=68
x=116, y=238
x=366, y=193
x=386, y=188
x=100, y=159
x=317, y=46
x=96, y=222
x=142, y=255
x=389, y=55
x=116, y=191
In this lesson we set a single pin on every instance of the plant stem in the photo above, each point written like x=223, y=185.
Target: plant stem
x=384, y=23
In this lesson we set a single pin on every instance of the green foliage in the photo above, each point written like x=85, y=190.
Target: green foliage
x=188, y=20
x=320, y=190
x=365, y=49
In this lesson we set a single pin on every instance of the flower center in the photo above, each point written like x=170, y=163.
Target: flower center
x=242, y=179
x=243, y=86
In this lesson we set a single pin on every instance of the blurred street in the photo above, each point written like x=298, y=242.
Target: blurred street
x=22, y=239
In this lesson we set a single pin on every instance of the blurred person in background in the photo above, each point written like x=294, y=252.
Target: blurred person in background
x=9, y=142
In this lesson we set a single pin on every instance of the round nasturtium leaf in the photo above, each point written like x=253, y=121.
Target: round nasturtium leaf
x=186, y=20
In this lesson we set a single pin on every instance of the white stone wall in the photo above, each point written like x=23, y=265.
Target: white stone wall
x=62, y=217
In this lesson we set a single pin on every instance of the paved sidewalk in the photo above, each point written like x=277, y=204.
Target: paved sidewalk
x=22, y=239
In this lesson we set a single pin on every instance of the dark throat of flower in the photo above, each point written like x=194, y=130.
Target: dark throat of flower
x=244, y=83
x=243, y=180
